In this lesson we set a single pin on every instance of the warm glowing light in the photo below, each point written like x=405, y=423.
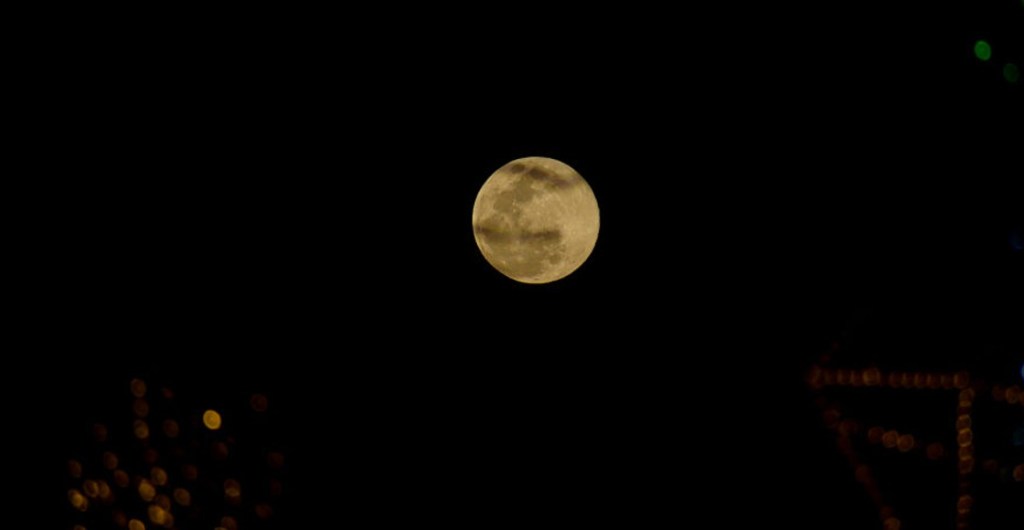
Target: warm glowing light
x=232, y=489
x=91, y=489
x=75, y=468
x=121, y=478
x=965, y=437
x=104, y=492
x=77, y=500
x=138, y=387
x=890, y=439
x=212, y=420
x=159, y=476
x=964, y=504
x=182, y=497
x=141, y=408
x=141, y=429
x=136, y=524
x=892, y=523
x=171, y=429
x=258, y=402
x=163, y=501
x=229, y=523
x=963, y=422
x=961, y=380
x=110, y=460
x=157, y=515
x=905, y=443
x=146, y=490
x=1012, y=395
x=78, y=527
x=872, y=377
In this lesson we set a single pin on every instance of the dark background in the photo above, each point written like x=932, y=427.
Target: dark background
x=283, y=207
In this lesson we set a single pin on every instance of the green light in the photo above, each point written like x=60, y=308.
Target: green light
x=982, y=50
x=1011, y=72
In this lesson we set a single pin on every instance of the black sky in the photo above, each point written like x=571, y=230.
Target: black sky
x=288, y=211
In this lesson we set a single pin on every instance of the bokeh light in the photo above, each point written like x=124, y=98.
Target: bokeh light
x=212, y=420
x=1011, y=73
x=982, y=50
x=138, y=387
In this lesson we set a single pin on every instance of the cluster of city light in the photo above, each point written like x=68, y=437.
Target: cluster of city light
x=891, y=439
x=116, y=492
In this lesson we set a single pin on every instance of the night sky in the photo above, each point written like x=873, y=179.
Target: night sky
x=283, y=210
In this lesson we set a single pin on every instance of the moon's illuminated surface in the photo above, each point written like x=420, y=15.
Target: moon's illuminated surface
x=536, y=220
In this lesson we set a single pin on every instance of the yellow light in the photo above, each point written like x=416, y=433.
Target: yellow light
x=232, y=489
x=138, y=387
x=157, y=515
x=963, y=422
x=77, y=500
x=141, y=429
x=182, y=497
x=136, y=524
x=105, y=492
x=965, y=437
x=212, y=420
x=91, y=488
x=159, y=476
x=146, y=491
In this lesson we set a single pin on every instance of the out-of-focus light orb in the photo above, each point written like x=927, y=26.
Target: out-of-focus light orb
x=141, y=408
x=146, y=491
x=232, y=489
x=77, y=500
x=138, y=387
x=121, y=478
x=171, y=429
x=1012, y=74
x=110, y=460
x=258, y=402
x=229, y=523
x=157, y=514
x=141, y=429
x=136, y=524
x=212, y=420
x=159, y=476
x=982, y=50
x=182, y=497
x=75, y=468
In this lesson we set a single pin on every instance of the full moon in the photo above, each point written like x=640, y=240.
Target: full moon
x=536, y=220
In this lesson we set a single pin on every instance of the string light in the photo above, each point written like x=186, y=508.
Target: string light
x=820, y=378
x=170, y=491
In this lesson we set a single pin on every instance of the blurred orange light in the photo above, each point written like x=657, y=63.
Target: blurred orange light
x=110, y=460
x=182, y=497
x=232, y=489
x=146, y=490
x=141, y=408
x=77, y=500
x=121, y=478
x=138, y=387
x=136, y=524
x=159, y=476
x=141, y=429
x=890, y=439
x=892, y=523
x=905, y=443
x=91, y=489
x=75, y=468
x=171, y=429
x=1018, y=473
x=212, y=420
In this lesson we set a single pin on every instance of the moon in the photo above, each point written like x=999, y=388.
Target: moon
x=536, y=220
